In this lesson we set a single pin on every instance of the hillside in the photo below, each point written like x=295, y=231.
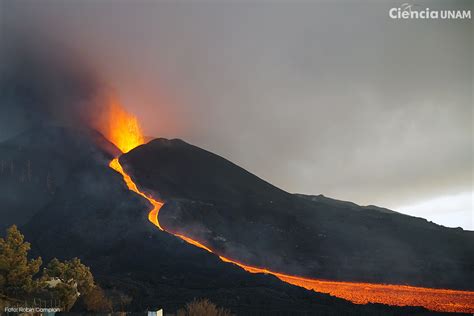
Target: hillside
x=241, y=216
x=90, y=213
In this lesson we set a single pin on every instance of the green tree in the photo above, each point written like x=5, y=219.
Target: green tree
x=71, y=272
x=16, y=271
x=74, y=278
x=65, y=293
x=63, y=281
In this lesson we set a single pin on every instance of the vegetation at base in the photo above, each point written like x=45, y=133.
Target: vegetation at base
x=60, y=281
x=16, y=271
x=202, y=307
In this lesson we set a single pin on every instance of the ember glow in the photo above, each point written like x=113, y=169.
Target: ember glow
x=443, y=300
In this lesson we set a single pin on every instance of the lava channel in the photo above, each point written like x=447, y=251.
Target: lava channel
x=443, y=300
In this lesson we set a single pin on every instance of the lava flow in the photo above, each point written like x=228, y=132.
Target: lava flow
x=360, y=293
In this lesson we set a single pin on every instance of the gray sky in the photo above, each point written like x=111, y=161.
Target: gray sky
x=316, y=97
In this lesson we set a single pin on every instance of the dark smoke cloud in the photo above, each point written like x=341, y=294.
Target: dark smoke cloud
x=42, y=86
x=315, y=96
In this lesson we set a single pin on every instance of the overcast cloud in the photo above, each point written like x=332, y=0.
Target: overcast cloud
x=315, y=97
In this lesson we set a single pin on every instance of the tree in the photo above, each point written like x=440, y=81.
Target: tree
x=65, y=293
x=74, y=278
x=71, y=272
x=202, y=307
x=63, y=281
x=95, y=301
x=16, y=271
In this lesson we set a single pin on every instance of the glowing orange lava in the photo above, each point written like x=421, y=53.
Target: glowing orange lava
x=128, y=135
x=121, y=128
x=153, y=215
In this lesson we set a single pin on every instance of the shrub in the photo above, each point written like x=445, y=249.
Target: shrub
x=96, y=301
x=202, y=307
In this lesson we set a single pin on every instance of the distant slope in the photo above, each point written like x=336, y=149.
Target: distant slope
x=245, y=218
x=339, y=203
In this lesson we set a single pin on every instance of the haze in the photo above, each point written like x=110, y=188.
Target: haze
x=330, y=98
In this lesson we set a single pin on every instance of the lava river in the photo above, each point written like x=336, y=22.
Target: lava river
x=360, y=293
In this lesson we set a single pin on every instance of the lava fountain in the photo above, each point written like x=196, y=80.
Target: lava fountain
x=123, y=129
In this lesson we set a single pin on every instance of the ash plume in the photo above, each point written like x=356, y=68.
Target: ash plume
x=41, y=86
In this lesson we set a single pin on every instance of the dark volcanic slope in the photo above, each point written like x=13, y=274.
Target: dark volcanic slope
x=35, y=164
x=88, y=212
x=109, y=230
x=246, y=218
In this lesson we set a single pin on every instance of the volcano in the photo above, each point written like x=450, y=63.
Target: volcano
x=75, y=205
x=241, y=216
x=209, y=201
